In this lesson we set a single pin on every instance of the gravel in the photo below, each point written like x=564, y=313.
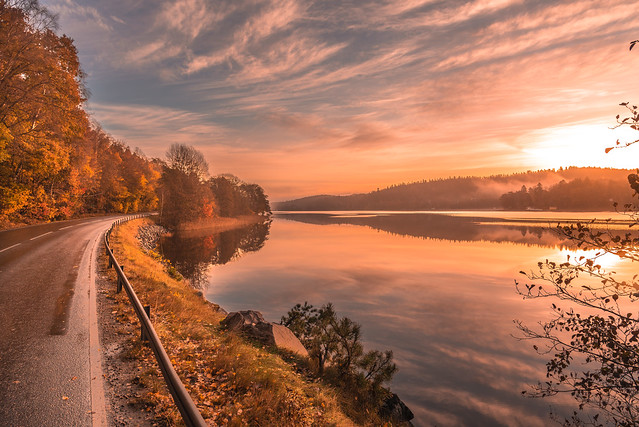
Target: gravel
x=125, y=406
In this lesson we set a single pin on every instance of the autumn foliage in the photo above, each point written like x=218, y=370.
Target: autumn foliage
x=54, y=163
x=188, y=195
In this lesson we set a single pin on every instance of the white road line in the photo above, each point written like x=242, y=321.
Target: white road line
x=6, y=249
x=68, y=226
x=37, y=237
x=98, y=399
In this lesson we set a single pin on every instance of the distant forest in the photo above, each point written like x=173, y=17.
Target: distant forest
x=582, y=189
x=55, y=162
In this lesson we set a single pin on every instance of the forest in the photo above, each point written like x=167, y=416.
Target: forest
x=57, y=163
x=573, y=188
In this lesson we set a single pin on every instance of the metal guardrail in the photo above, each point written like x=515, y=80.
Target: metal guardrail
x=181, y=397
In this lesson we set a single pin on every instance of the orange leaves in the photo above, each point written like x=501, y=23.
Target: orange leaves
x=53, y=164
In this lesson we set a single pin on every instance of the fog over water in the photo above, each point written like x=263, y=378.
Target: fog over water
x=436, y=289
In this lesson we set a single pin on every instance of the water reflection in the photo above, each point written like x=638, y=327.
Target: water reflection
x=437, y=290
x=192, y=254
x=447, y=227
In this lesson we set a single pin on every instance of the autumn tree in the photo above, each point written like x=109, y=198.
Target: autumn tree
x=54, y=163
x=41, y=96
x=593, y=336
x=188, y=160
x=185, y=194
x=235, y=197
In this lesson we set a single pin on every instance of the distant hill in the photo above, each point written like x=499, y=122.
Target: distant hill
x=586, y=189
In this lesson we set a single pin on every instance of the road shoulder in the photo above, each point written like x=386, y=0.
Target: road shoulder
x=119, y=338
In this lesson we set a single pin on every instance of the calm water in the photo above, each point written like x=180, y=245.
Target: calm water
x=436, y=289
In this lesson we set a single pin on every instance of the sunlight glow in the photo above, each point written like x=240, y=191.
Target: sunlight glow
x=580, y=145
x=607, y=261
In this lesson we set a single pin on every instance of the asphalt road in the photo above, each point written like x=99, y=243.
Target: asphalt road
x=50, y=369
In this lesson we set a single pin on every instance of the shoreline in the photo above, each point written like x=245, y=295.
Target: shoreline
x=233, y=380
x=218, y=224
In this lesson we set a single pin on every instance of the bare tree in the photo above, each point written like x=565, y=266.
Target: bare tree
x=188, y=160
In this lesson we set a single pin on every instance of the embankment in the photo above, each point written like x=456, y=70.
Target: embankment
x=232, y=382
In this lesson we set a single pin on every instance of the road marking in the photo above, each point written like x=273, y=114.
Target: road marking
x=68, y=226
x=6, y=249
x=37, y=237
x=98, y=399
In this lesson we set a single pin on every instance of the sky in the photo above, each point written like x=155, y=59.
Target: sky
x=336, y=97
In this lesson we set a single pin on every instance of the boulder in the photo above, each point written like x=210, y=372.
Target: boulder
x=396, y=410
x=284, y=338
x=236, y=320
x=252, y=324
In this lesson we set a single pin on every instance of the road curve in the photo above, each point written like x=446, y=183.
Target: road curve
x=50, y=371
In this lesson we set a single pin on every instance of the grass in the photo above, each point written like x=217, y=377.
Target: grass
x=217, y=224
x=232, y=381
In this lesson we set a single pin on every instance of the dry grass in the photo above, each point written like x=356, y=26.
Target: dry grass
x=232, y=382
x=218, y=224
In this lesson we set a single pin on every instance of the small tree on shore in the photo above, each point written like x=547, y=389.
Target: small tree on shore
x=337, y=341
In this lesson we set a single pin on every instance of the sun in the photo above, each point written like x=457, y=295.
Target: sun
x=580, y=145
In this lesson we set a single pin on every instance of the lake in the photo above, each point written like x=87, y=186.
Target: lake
x=435, y=288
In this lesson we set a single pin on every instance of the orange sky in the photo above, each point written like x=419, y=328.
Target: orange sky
x=307, y=97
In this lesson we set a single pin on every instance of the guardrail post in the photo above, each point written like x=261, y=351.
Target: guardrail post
x=110, y=262
x=119, y=288
x=143, y=334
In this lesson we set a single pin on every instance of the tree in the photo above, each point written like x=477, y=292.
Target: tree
x=235, y=197
x=188, y=160
x=41, y=96
x=378, y=367
x=54, y=163
x=337, y=341
x=185, y=195
x=594, y=351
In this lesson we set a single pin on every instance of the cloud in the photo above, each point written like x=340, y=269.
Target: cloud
x=546, y=29
x=153, y=128
x=188, y=17
x=399, y=87
x=248, y=44
x=69, y=9
x=371, y=135
x=153, y=52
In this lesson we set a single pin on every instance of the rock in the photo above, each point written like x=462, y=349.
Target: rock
x=252, y=324
x=397, y=410
x=238, y=319
x=149, y=235
x=283, y=337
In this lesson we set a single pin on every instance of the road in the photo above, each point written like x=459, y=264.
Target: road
x=50, y=368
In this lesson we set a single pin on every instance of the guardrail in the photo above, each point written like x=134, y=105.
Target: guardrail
x=181, y=397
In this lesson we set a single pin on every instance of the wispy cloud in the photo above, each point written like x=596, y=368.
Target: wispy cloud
x=153, y=128
x=400, y=87
x=73, y=10
x=189, y=17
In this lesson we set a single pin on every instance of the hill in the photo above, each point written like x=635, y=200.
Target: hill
x=587, y=189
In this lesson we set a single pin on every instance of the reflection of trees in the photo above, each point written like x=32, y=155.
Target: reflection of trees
x=445, y=227
x=193, y=255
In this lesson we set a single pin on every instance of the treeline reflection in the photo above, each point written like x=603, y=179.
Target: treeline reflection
x=192, y=255
x=446, y=227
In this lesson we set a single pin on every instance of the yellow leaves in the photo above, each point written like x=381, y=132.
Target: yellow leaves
x=65, y=398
